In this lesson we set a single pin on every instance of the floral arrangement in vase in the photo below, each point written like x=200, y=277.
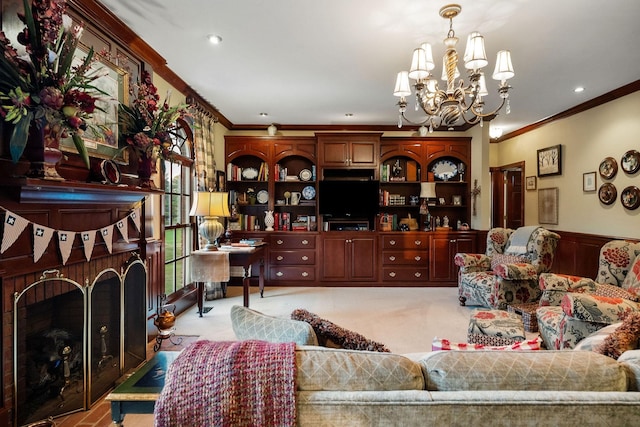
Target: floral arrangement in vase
x=45, y=92
x=147, y=125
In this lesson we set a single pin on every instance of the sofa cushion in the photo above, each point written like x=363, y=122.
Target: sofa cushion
x=631, y=281
x=613, y=291
x=535, y=370
x=328, y=369
x=498, y=259
x=625, y=337
x=331, y=335
x=249, y=324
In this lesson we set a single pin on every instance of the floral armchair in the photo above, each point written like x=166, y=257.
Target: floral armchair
x=507, y=273
x=572, y=308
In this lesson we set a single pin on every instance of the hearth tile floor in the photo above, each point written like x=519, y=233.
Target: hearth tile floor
x=405, y=319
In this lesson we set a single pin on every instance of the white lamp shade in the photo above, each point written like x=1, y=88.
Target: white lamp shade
x=475, y=57
x=402, y=84
x=504, y=68
x=210, y=203
x=428, y=54
x=418, y=70
x=482, y=83
x=427, y=190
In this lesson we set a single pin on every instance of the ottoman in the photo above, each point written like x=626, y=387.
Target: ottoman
x=495, y=327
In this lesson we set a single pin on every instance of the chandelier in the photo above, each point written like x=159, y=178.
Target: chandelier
x=455, y=104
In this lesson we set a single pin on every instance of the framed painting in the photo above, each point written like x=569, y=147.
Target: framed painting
x=548, y=205
x=530, y=182
x=550, y=161
x=589, y=181
x=115, y=82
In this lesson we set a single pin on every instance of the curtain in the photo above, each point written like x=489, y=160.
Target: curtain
x=203, y=141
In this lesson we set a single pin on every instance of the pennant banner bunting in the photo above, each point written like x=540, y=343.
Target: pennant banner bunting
x=41, y=237
x=14, y=225
x=65, y=243
x=123, y=229
x=135, y=217
x=107, y=236
x=88, y=241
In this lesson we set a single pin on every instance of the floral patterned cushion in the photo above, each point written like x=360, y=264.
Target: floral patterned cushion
x=593, y=308
x=561, y=332
x=555, y=286
x=445, y=344
x=632, y=280
x=521, y=271
x=468, y=261
x=611, y=291
x=506, y=259
x=616, y=257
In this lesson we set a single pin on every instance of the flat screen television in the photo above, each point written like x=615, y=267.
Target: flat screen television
x=348, y=198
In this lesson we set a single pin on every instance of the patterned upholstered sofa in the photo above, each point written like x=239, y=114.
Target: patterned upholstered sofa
x=338, y=387
x=572, y=308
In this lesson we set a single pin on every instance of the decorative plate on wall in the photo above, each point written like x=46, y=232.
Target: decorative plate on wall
x=249, y=173
x=630, y=197
x=305, y=175
x=262, y=197
x=631, y=161
x=444, y=169
x=608, y=168
x=309, y=192
x=607, y=193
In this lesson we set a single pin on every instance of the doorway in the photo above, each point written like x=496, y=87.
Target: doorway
x=507, y=201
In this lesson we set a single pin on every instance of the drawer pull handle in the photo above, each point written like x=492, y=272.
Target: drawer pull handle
x=279, y=257
x=392, y=242
x=279, y=274
x=392, y=258
x=305, y=242
x=279, y=241
x=305, y=258
x=305, y=274
x=418, y=242
x=417, y=258
x=417, y=274
x=392, y=274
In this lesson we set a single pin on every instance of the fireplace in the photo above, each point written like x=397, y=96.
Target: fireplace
x=73, y=341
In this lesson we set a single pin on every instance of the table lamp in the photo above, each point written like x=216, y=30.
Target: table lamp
x=210, y=205
x=427, y=191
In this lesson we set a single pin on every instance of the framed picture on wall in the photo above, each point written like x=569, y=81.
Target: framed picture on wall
x=530, y=182
x=548, y=205
x=589, y=181
x=550, y=161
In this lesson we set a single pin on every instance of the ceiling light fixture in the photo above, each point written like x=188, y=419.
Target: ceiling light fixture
x=579, y=89
x=448, y=107
x=214, y=39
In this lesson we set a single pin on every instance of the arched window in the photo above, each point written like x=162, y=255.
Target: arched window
x=178, y=229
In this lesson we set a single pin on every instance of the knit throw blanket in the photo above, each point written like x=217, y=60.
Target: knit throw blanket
x=230, y=383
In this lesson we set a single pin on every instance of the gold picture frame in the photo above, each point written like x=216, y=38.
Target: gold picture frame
x=548, y=205
x=530, y=182
x=114, y=81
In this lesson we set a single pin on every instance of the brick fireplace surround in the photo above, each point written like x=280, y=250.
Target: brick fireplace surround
x=77, y=207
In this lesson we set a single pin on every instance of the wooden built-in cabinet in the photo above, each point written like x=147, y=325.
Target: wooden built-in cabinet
x=348, y=256
x=374, y=257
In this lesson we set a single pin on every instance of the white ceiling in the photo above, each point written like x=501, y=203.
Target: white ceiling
x=310, y=62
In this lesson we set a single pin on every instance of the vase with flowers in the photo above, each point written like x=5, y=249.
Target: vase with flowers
x=44, y=93
x=147, y=126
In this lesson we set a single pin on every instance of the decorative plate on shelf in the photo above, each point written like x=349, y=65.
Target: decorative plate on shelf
x=630, y=197
x=262, y=197
x=305, y=175
x=444, y=169
x=631, y=161
x=249, y=173
x=607, y=193
x=608, y=168
x=309, y=192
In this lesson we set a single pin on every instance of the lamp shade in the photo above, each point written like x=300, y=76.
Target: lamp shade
x=210, y=203
x=427, y=190
x=504, y=68
x=402, y=84
x=475, y=56
x=418, y=70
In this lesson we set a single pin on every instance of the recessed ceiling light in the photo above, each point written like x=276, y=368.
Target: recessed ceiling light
x=349, y=114
x=214, y=39
x=579, y=89
x=264, y=114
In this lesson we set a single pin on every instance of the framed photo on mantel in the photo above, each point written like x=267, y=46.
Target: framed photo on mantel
x=550, y=161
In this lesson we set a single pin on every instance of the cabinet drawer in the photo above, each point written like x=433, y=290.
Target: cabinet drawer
x=299, y=257
x=417, y=258
x=293, y=241
x=405, y=274
x=405, y=241
x=292, y=273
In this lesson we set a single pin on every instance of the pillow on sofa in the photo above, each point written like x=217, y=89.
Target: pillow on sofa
x=631, y=281
x=613, y=291
x=444, y=344
x=596, y=338
x=252, y=325
x=625, y=337
x=328, y=332
x=498, y=259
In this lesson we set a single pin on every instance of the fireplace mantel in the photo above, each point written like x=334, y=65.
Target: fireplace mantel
x=33, y=190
